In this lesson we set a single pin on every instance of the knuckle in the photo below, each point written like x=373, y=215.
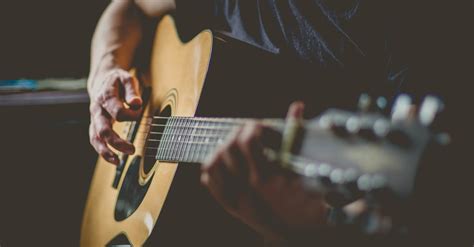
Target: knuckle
x=115, y=110
x=104, y=131
x=108, y=94
x=126, y=78
x=256, y=130
x=101, y=149
x=246, y=140
x=104, y=153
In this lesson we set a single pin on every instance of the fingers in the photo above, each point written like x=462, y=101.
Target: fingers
x=103, y=127
x=116, y=109
x=109, y=96
x=132, y=91
x=217, y=179
x=101, y=134
x=101, y=147
x=226, y=175
x=249, y=142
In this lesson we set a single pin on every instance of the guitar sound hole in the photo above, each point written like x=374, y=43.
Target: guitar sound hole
x=154, y=137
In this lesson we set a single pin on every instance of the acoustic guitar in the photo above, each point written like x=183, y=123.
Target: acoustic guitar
x=351, y=153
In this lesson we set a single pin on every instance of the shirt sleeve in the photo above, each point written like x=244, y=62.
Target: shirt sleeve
x=249, y=21
x=314, y=30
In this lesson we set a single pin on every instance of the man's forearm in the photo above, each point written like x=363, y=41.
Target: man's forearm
x=116, y=37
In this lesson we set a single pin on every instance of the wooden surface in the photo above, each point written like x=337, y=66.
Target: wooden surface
x=177, y=75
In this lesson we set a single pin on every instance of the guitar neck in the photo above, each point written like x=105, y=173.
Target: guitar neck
x=193, y=139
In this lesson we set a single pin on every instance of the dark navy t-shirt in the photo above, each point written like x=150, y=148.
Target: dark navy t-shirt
x=355, y=40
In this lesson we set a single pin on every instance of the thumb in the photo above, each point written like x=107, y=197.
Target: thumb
x=132, y=92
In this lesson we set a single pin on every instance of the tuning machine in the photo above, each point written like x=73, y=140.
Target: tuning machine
x=429, y=109
x=368, y=103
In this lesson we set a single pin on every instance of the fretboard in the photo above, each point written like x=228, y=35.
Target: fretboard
x=190, y=139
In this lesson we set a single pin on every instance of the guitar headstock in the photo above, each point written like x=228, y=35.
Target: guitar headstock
x=355, y=153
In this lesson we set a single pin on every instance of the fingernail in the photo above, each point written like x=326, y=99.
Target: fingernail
x=113, y=160
x=135, y=103
x=131, y=150
x=135, y=107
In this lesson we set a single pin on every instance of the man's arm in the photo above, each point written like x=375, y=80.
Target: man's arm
x=115, y=40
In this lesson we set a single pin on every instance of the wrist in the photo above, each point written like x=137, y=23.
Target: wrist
x=100, y=69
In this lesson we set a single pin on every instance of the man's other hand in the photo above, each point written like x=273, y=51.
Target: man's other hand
x=256, y=191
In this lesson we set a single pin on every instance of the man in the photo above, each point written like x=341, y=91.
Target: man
x=363, y=42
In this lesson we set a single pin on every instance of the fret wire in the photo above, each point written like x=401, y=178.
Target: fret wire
x=201, y=139
x=205, y=148
x=161, y=137
x=208, y=148
x=163, y=144
x=202, y=148
x=167, y=136
x=192, y=147
x=187, y=138
x=181, y=136
x=171, y=150
x=183, y=148
x=190, y=132
x=160, y=145
x=200, y=131
x=174, y=138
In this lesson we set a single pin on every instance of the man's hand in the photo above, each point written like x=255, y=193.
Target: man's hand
x=115, y=95
x=254, y=190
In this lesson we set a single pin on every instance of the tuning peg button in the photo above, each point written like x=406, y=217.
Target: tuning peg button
x=365, y=101
x=401, y=108
x=363, y=183
x=430, y=107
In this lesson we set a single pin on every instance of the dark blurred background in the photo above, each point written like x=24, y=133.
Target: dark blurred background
x=46, y=162
x=47, y=38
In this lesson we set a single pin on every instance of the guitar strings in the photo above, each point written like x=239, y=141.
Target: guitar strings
x=223, y=120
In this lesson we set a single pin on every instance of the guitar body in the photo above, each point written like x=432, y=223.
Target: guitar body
x=176, y=77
